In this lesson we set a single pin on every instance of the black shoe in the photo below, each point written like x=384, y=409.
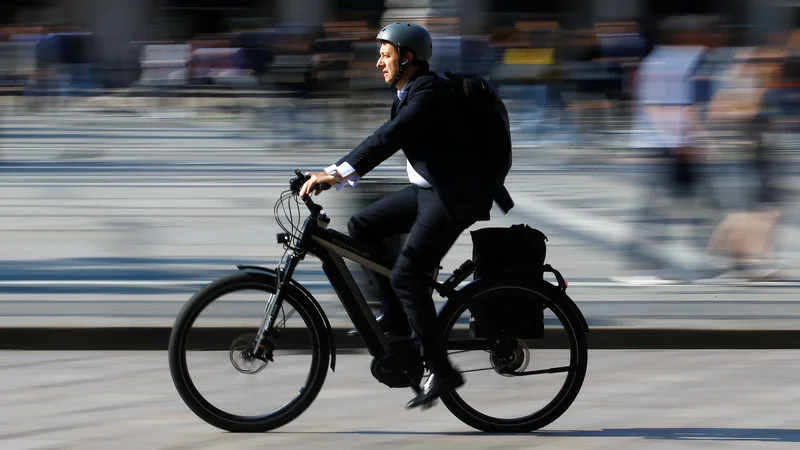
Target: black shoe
x=435, y=386
x=387, y=327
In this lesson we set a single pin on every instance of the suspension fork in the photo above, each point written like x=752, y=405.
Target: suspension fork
x=284, y=275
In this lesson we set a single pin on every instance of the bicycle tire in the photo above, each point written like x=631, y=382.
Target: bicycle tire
x=448, y=316
x=210, y=413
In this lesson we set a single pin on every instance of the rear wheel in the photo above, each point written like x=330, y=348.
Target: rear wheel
x=506, y=393
x=216, y=370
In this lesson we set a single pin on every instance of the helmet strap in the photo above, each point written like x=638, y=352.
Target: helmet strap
x=399, y=71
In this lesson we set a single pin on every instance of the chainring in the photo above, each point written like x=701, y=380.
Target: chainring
x=399, y=368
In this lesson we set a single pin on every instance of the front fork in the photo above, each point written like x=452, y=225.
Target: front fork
x=284, y=275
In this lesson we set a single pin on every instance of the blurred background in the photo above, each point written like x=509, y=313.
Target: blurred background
x=143, y=144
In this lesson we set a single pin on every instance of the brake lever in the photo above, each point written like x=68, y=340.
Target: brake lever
x=296, y=183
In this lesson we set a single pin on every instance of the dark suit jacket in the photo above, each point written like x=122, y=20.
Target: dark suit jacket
x=428, y=125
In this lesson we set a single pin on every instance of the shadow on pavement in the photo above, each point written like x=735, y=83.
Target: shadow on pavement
x=668, y=434
x=687, y=434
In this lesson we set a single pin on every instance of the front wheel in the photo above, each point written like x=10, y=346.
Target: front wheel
x=219, y=374
x=527, y=388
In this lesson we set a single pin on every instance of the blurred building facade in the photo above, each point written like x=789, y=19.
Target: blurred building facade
x=759, y=17
x=111, y=33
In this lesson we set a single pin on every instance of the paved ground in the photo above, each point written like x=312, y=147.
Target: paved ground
x=631, y=400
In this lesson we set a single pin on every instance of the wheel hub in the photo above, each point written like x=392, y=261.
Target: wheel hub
x=243, y=358
x=516, y=362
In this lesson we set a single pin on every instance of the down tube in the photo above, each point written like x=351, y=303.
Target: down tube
x=354, y=303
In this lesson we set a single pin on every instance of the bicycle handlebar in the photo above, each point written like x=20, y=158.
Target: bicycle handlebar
x=296, y=183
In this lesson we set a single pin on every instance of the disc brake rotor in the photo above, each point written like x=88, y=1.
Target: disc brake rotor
x=516, y=363
x=242, y=357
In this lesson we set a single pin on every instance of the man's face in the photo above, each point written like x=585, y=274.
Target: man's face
x=388, y=62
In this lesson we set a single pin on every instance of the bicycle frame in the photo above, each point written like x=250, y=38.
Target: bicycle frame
x=332, y=247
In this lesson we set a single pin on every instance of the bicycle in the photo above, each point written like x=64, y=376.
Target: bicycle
x=395, y=363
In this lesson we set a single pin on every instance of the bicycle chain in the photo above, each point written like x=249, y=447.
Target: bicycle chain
x=476, y=370
x=470, y=370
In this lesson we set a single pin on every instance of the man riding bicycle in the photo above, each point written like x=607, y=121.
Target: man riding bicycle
x=450, y=190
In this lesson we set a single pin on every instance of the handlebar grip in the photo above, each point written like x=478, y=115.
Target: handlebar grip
x=296, y=183
x=322, y=187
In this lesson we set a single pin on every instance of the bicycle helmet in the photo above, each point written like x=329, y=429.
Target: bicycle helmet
x=407, y=37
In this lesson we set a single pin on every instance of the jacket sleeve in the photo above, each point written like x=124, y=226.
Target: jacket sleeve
x=414, y=118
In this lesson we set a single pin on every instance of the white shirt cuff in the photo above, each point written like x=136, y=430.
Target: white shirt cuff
x=344, y=170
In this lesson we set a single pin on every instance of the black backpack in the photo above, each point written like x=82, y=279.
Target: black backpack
x=487, y=120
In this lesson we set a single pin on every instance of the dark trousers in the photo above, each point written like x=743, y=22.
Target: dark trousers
x=431, y=234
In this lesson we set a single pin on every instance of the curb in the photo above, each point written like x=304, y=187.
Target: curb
x=219, y=338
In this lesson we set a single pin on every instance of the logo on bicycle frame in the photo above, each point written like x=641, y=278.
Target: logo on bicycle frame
x=351, y=248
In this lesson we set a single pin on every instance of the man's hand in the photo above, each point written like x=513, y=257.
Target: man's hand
x=315, y=180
